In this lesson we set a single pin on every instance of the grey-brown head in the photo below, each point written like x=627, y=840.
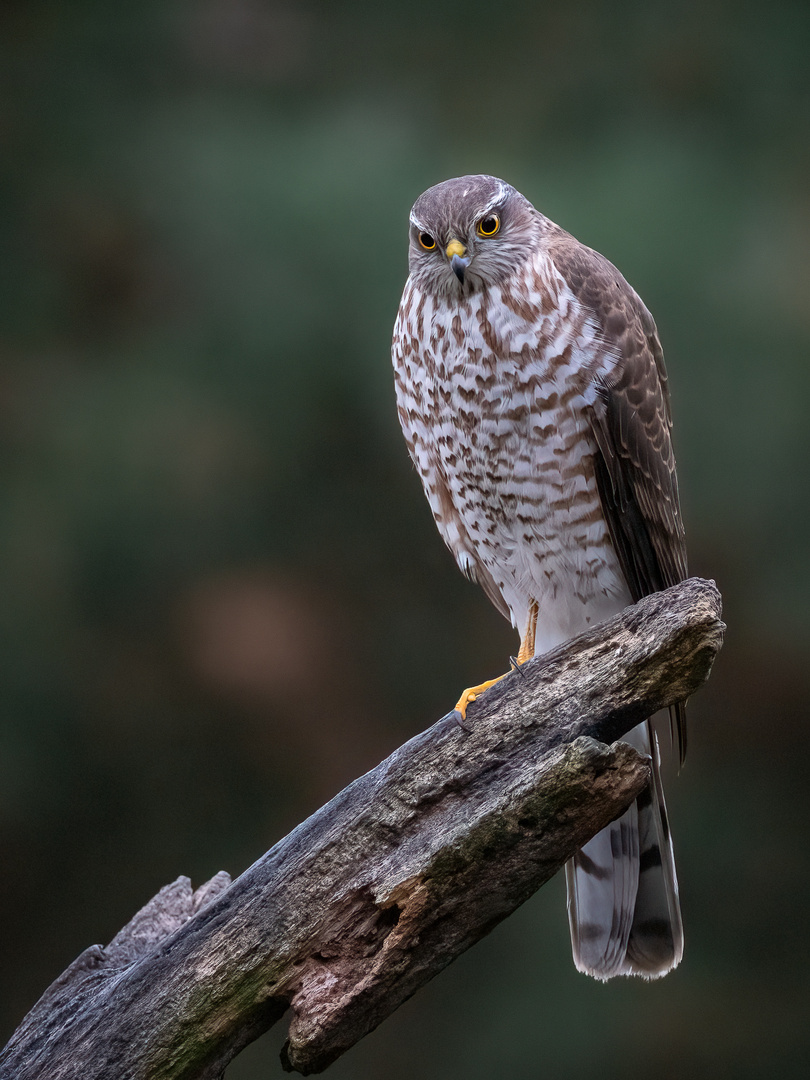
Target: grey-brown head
x=470, y=232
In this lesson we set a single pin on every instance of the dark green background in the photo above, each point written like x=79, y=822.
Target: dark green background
x=223, y=596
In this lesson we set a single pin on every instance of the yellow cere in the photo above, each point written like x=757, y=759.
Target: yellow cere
x=455, y=247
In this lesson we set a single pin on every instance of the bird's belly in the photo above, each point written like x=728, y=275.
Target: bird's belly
x=522, y=480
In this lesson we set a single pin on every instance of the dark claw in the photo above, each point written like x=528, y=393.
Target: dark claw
x=456, y=716
x=517, y=667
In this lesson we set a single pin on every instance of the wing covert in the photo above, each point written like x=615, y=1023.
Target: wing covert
x=631, y=423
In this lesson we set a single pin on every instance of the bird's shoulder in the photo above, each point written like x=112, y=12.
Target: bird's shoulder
x=604, y=292
x=625, y=325
x=631, y=415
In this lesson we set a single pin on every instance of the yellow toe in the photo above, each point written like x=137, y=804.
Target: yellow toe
x=470, y=695
x=526, y=653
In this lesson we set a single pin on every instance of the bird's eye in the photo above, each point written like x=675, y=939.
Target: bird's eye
x=489, y=225
x=427, y=241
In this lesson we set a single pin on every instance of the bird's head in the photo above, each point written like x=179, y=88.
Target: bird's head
x=468, y=233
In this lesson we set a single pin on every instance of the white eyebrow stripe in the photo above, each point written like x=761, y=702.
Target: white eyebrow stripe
x=496, y=199
x=499, y=197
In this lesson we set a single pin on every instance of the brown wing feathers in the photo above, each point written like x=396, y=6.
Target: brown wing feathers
x=635, y=466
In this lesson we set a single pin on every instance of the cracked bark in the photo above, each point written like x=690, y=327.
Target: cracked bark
x=384, y=886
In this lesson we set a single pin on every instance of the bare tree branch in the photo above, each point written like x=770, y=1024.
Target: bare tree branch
x=385, y=885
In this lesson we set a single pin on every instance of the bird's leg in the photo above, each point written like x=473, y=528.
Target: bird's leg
x=525, y=653
x=527, y=645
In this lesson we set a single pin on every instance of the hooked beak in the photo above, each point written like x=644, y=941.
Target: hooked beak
x=459, y=260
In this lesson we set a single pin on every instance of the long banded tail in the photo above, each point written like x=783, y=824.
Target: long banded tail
x=623, y=906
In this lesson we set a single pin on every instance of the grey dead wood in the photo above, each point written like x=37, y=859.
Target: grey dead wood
x=385, y=885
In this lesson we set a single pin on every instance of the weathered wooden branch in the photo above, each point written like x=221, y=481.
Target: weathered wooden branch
x=385, y=885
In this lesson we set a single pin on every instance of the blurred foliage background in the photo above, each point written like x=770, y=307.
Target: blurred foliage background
x=223, y=596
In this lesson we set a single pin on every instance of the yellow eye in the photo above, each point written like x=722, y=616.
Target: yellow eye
x=489, y=225
x=427, y=241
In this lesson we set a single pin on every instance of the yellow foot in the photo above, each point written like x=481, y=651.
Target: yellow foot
x=526, y=653
x=470, y=695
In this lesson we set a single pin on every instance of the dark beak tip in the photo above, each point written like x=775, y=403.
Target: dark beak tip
x=459, y=266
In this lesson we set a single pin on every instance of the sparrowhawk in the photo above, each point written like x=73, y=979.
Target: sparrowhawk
x=533, y=397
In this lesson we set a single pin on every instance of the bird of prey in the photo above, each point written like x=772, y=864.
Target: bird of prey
x=532, y=393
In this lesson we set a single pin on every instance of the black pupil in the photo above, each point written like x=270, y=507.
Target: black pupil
x=489, y=225
x=427, y=240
